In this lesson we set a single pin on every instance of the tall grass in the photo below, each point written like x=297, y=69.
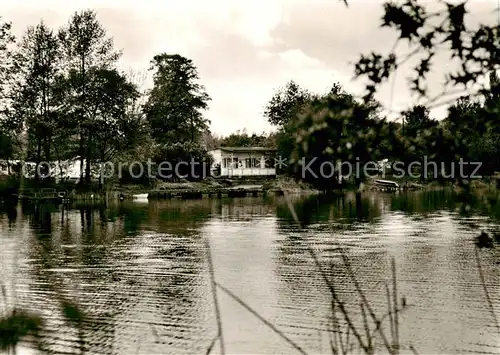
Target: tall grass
x=16, y=324
x=220, y=334
x=485, y=289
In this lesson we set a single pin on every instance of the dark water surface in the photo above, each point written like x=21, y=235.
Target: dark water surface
x=139, y=271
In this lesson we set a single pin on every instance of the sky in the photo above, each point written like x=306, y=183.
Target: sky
x=245, y=50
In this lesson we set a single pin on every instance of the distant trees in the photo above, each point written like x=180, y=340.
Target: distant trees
x=474, y=128
x=336, y=128
x=182, y=160
x=286, y=104
x=243, y=139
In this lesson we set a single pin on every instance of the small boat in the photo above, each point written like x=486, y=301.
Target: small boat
x=388, y=184
x=140, y=197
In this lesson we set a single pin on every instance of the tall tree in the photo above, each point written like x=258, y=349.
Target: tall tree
x=175, y=105
x=286, y=104
x=86, y=48
x=6, y=66
x=8, y=125
x=243, y=139
x=37, y=98
x=416, y=119
x=474, y=126
x=116, y=127
x=416, y=130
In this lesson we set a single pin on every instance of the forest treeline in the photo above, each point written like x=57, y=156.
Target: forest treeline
x=337, y=127
x=63, y=97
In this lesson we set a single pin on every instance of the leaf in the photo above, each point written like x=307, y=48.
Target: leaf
x=16, y=326
x=72, y=312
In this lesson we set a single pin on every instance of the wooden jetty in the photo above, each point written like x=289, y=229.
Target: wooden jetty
x=389, y=185
x=386, y=185
x=164, y=194
x=43, y=195
x=53, y=196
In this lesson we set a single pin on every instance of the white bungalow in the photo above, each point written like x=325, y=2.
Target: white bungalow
x=68, y=170
x=243, y=161
x=4, y=167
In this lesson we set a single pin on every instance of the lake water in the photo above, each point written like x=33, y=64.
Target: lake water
x=139, y=272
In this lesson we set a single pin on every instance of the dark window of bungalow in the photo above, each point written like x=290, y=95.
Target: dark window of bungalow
x=252, y=163
x=226, y=162
x=269, y=157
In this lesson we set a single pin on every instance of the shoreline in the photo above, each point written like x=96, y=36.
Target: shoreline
x=235, y=188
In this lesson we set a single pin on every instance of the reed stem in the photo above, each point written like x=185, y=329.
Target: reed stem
x=216, y=301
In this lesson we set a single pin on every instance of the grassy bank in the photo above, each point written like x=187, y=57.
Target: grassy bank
x=279, y=183
x=289, y=185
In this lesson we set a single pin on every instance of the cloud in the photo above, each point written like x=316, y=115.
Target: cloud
x=244, y=50
x=337, y=36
